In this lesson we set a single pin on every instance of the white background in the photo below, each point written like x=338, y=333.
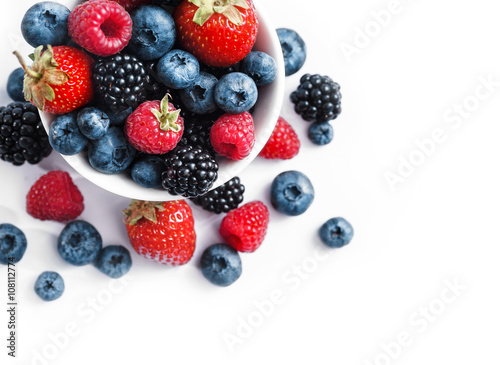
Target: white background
x=436, y=228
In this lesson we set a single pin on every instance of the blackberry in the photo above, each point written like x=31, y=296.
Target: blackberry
x=22, y=136
x=197, y=133
x=317, y=99
x=190, y=171
x=120, y=82
x=223, y=199
x=156, y=90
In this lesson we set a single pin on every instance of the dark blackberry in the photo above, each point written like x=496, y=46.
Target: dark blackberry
x=197, y=133
x=22, y=136
x=223, y=199
x=190, y=171
x=166, y=2
x=120, y=82
x=317, y=99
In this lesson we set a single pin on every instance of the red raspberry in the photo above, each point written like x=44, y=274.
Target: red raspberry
x=102, y=27
x=283, y=143
x=244, y=228
x=233, y=136
x=130, y=4
x=55, y=197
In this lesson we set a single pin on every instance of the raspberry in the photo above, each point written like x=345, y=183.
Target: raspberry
x=55, y=197
x=283, y=143
x=233, y=136
x=244, y=228
x=102, y=27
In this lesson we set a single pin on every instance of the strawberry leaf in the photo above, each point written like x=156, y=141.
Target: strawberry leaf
x=233, y=15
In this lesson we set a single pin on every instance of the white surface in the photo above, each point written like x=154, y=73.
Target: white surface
x=436, y=228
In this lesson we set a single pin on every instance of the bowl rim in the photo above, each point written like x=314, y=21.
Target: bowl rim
x=264, y=119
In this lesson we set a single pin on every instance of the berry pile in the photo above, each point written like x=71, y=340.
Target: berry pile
x=163, y=115
x=143, y=72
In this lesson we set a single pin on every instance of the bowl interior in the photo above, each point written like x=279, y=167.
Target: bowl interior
x=265, y=115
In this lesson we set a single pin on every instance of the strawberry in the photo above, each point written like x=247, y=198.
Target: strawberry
x=59, y=80
x=217, y=32
x=154, y=127
x=55, y=197
x=161, y=231
x=102, y=27
x=283, y=143
x=244, y=228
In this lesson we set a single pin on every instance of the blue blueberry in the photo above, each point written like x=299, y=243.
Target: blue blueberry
x=260, y=66
x=167, y=2
x=336, y=232
x=199, y=97
x=92, y=122
x=291, y=193
x=112, y=153
x=15, y=84
x=153, y=32
x=79, y=243
x=236, y=93
x=320, y=133
x=114, y=261
x=147, y=171
x=46, y=23
x=178, y=69
x=221, y=264
x=65, y=136
x=13, y=244
x=293, y=48
x=120, y=117
x=49, y=285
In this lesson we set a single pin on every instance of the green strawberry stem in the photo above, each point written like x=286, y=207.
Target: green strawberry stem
x=42, y=74
x=225, y=7
x=139, y=209
x=166, y=118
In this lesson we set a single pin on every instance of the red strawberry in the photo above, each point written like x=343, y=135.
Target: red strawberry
x=154, y=127
x=233, y=135
x=130, y=4
x=55, y=197
x=244, y=228
x=102, y=27
x=283, y=143
x=59, y=80
x=163, y=232
x=217, y=32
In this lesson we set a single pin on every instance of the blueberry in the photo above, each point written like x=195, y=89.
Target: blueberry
x=221, y=264
x=147, y=171
x=336, y=232
x=112, y=153
x=46, y=23
x=178, y=69
x=260, y=66
x=12, y=244
x=236, y=93
x=15, y=84
x=65, y=136
x=199, y=97
x=92, y=122
x=153, y=32
x=49, y=285
x=320, y=133
x=114, y=261
x=79, y=243
x=291, y=193
x=293, y=48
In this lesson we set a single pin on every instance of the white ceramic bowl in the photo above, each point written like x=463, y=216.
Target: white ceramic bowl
x=266, y=113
